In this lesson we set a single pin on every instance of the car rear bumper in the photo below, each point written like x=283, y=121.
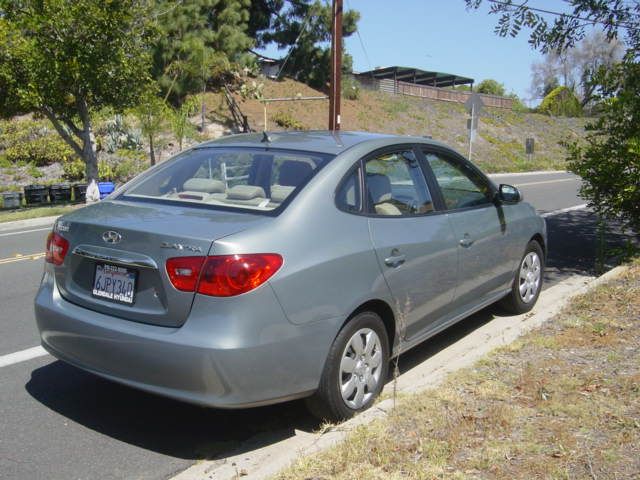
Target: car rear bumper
x=230, y=357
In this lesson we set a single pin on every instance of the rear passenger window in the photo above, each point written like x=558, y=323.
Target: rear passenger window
x=395, y=185
x=461, y=186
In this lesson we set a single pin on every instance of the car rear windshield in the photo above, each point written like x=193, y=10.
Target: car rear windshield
x=230, y=178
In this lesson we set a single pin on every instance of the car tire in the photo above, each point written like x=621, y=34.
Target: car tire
x=527, y=282
x=355, y=371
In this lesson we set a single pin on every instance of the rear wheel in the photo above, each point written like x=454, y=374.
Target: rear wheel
x=355, y=370
x=527, y=282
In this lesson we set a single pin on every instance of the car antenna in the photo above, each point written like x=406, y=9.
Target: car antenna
x=265, y=137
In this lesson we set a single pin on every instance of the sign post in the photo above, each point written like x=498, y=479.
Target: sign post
x=474, y=106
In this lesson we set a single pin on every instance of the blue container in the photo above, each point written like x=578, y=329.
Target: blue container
x=105, y=188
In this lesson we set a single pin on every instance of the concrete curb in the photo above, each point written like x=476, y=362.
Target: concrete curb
x=537, y=172
x=264, y=462
x=28, y=223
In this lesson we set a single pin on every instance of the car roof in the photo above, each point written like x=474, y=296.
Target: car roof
x=322, y=141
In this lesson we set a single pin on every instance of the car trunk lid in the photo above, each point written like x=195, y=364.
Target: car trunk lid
x=127, y=245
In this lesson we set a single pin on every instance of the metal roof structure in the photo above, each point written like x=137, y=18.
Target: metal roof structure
x=417, y=76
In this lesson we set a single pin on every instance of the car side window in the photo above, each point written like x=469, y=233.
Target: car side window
x=461, y=186
x=348, y=194
x=395, y=185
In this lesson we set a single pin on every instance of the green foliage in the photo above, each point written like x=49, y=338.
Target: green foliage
x=66, y=59
x=105, y=170
x=561, y=102
x=73, y=169
x=131, y=163
x=350, y=88
x=34, y=142
x=286, y=121
x=610, y=161
x=518, y=106
x=151, y=114
x=116, y=134
x=491, y=87
x=199, y=39
x=281, y=24
x=179, y=119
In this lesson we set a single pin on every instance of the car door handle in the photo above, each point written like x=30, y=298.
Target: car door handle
x=395, y=260
x=466, y=241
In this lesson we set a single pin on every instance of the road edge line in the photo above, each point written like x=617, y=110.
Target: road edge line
x=22, y=356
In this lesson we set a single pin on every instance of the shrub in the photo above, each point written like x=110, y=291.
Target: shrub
x=561, y=102
x=350, y=88
x=491, y=87
x=131, y=163
x=74, y=169
x=114, y=133
x=286, y=121
x=35, y=142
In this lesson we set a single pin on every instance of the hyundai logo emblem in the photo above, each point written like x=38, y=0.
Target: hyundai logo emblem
x=111, y=237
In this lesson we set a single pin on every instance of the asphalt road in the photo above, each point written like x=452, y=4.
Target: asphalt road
x=58, y=422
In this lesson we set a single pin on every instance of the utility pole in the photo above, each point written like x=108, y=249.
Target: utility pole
x=336, y=65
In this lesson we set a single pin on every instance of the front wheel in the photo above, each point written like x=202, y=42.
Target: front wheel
x=355, y=370
x=527, y=282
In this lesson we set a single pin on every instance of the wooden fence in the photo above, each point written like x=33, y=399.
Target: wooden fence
x=434, y=93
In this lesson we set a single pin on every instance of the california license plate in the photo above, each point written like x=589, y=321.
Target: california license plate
x=114, y=283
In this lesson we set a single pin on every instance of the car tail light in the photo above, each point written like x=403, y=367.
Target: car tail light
x=229, y=275
x=57, y=248
x=184, y=272
x=222, y=275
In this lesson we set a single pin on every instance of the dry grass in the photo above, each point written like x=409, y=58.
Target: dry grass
x=562, y=402
x=35, y=212
x=499, y=146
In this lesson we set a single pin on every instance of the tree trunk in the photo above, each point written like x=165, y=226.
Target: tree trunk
x=88, y=141
x=152, y=155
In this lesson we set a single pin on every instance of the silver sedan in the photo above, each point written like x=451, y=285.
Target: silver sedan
x=261, y=268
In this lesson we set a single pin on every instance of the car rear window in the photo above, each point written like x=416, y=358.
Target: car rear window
x=236, y=178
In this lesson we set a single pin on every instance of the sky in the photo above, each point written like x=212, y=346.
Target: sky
x=441, y=35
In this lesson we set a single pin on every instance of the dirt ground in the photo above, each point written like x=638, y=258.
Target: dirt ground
x=562, y=402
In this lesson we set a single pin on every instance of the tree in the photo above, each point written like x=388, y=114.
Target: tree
x=609, y=162
x=561, y=101
x=179, y=117
x=566, y=29
x=576, y=67
x=303, y=27
x=198, y=40
x=67, y=59
x=491, y=87
x=151, y=113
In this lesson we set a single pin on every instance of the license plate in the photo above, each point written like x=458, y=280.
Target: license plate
x=114, y=283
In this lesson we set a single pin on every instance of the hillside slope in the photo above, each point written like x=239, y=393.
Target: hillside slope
x=499, y=146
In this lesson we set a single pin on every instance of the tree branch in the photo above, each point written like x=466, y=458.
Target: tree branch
x=61, y=130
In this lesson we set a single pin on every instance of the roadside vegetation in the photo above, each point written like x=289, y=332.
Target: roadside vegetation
x=25, y=214
x=561, y=402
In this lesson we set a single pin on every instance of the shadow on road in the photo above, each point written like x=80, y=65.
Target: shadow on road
x=190, y=432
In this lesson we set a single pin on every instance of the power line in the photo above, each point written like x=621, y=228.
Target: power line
x=304, y=26
x=626, y=25
x=366, y=55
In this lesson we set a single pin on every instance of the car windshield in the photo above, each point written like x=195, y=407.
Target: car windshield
x=238, y=178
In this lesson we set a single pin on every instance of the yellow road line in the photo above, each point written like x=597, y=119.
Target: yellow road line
x=19, y=258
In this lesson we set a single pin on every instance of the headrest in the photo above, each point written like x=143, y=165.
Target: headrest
x=245, y=192
x=379, y=187
x=280, y=192
x=206, y=185
x=293, y=173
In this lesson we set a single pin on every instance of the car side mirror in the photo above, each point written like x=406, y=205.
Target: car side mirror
x=508, y=194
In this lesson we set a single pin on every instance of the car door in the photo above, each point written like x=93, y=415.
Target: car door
x=414, y=244
x=479, y=226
